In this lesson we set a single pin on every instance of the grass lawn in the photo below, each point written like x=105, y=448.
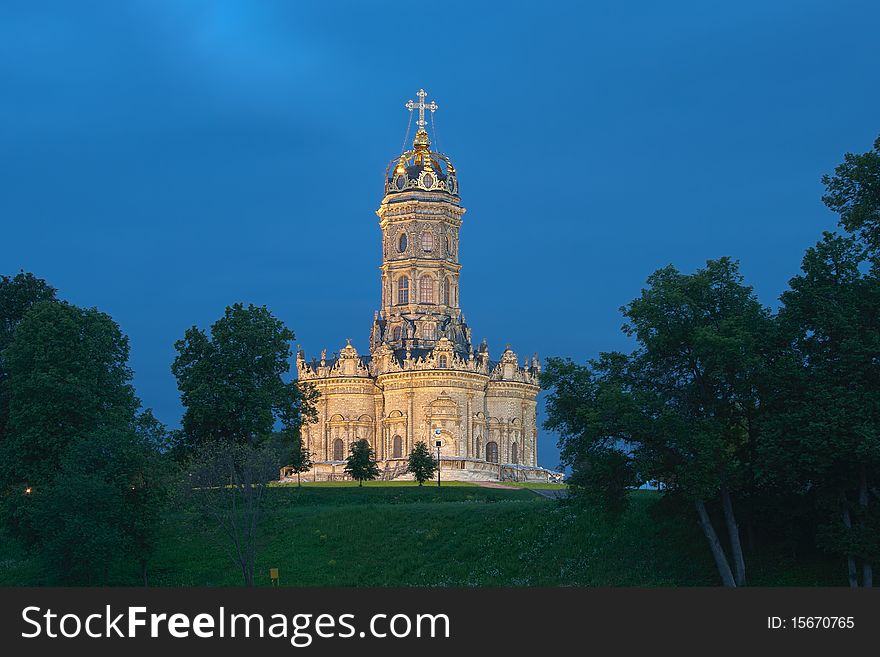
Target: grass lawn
x=400, y=534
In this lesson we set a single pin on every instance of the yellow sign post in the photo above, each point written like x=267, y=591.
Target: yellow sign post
x=273, y=575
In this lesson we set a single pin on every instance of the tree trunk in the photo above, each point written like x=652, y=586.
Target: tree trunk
x=298, y=482
x=715, y=545
x=850, y=559
x=739, y=563
x=867, y=568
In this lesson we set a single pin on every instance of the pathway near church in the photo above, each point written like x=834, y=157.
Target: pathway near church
x=495, y=484
x=549, y=493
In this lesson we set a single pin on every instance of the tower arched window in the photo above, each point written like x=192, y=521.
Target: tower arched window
x=403, y=290
x=427, y=241
x=402, y=242
x=447, y=298
x=426, y=289
x=492, y=452
x=442, y=361
x=338, y=450
x=395, y=333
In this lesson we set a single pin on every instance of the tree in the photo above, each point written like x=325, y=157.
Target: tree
x=300, y=458
x=226, y=486
x=823, y=435
x=681, y=409
x=593, y=409
x=231, y=382
x=68, y=380
x=90, y=464
x=234, y=395
x=17, y=294
x=361, y=462
x=102, y=510
x=854, y=193
x=422, y=465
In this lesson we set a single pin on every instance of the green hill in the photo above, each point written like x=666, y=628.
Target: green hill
x=458, y=535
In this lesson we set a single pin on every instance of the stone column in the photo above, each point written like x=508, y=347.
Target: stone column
x=410, y=421
x=469, y=448
x=378, y=434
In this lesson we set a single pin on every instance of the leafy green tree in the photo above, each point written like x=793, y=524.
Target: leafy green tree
x=90, y=465
x=854, y=193
x=422, y=464
x=68, y=378
x=231, y=382
x=102, y=511
x=593, y=409
x=17, y=294
x=300, y=458
x=361, y=462
x=681, y=409
x=234, y=394
x=823, y=424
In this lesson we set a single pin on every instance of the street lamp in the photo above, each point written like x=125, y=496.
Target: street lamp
x=438, y=444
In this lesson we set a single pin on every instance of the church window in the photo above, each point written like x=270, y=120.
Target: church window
x=403, y=290
x=448, y=245
x=338, y=450
x=395, y=333
x=427, y=241
x=492, y=452
x=443, y=362
x=402, y=242
x=397, y=448
x=514, y=457
x=426, y=290
x=447, y=298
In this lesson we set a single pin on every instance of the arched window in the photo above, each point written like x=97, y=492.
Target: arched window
x=492, y=452
x=447, y=298
x=403, y=289
x=448, y=245
x=395, y=333
x=427, y=241
x=338, y=450
x=426, y=289
x=442, y=362
x=402, y=242
x=514, y=457
x=397, y=448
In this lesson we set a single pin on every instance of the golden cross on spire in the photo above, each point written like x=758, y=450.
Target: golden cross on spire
x=432, y=106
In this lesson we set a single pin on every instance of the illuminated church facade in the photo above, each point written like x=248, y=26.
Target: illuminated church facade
x=424, y=380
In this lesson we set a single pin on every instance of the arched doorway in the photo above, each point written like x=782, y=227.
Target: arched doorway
x=492, y=452
x=338, y=450
x=397, y=448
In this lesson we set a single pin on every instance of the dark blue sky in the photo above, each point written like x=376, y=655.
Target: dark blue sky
x=160, y=160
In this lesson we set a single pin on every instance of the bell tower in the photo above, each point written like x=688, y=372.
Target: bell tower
x=420, y=217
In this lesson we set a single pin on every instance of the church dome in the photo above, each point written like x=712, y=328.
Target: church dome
x=420, y=168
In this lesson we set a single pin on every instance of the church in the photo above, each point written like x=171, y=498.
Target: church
x=424, y=380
